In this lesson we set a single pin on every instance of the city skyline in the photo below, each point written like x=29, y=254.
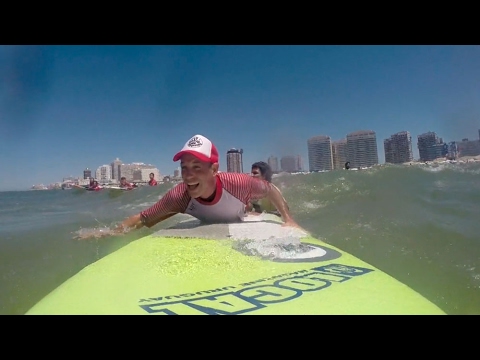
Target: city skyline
x=64, y=108
x=234, y=157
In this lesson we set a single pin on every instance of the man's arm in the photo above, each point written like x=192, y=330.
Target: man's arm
x=132, y=222
x=276, y=197
x=175, y=201
x=135, y=222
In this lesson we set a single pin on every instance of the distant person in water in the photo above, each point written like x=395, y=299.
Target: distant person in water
x=91, y=184
x=94, y=186
x=152, y=181
x=347, y=165
x=262, y=170
x=124, y=184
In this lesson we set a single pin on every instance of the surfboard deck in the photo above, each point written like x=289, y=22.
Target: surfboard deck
x=119, y=188
x=80, y=187
x=194, y=269
x=86, y=188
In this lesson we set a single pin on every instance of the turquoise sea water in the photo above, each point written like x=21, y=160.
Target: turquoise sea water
x=419, y=224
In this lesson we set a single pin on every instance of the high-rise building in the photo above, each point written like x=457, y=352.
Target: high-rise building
x=104, y=174
x=235, y=160
x=431, y=147
x=362, y=148
x=299, y=163
x=389, y=152
x=289, y=163
x=468, y=147
x=398, y=148
x=320, y=153
x=143, y=173
x=339, y=153
x=452, y=150
x=116, y=169
x=138, y=172
x=87, y=173
x=273, y=163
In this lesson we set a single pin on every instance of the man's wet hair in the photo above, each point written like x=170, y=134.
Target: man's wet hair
x=265, y=170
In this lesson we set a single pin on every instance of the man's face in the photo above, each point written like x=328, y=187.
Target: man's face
x=256, y=173
x=199, y=176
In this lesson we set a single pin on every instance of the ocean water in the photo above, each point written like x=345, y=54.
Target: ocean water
x=420, y=224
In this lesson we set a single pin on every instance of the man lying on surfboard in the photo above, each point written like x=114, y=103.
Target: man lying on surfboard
x=94, y=186
x=208, y=195
x=124, y=184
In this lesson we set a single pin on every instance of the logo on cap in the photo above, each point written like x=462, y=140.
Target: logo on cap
x=195, y=142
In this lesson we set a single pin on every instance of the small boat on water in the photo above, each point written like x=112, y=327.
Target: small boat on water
x=39, y=187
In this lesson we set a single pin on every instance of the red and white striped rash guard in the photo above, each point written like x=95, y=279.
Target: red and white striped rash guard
x=234, y=190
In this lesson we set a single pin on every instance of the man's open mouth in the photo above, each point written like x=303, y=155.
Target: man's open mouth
x=192, y=187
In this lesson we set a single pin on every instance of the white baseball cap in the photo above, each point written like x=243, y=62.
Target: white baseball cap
x=200, y=147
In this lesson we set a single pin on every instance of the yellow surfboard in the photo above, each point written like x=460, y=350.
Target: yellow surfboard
x=257, y=267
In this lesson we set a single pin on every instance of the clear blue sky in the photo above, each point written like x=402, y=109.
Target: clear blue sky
x=66, y=108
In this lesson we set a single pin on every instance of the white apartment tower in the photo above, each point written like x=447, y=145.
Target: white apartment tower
x=362, y=148
x=320, y=153
x=103, y=174
x=116, y=169
x=138, y=172
x=339, y=153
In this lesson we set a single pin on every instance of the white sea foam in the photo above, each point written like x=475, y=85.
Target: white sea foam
x=93, y=233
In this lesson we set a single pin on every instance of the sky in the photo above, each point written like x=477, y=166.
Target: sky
x=64, y=108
